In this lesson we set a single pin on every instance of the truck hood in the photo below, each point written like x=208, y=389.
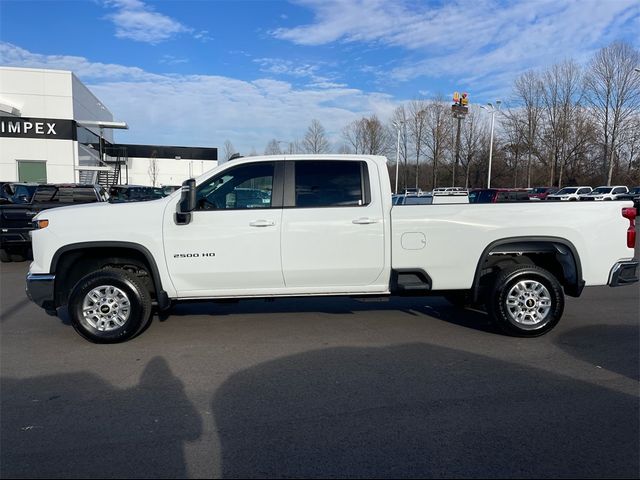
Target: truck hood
x=96, y=215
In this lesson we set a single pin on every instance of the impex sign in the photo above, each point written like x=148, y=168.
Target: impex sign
x=20, y=127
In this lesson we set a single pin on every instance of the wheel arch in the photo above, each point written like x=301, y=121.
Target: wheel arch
x=118, y=249
x=565, y=254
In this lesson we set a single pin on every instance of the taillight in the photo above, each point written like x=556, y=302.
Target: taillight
x=630, y=213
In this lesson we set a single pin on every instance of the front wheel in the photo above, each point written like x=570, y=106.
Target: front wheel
x=526, y=301
x=109, y=306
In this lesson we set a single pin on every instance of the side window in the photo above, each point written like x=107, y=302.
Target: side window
x=65, y=195
x=583, y=191
x=241, y=187
x=45, y=194
x=84, y=195
x=618, y=190
x=330, y=184
x=502, y=197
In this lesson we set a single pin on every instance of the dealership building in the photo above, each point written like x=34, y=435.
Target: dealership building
x=53, y=129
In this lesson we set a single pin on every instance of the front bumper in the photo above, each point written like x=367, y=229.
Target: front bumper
x=623, y=273
x=40, y=289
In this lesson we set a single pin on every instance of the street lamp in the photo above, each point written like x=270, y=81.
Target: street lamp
x=398, y=124
x=493, y=114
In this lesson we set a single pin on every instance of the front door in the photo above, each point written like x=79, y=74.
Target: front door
x=232, y=244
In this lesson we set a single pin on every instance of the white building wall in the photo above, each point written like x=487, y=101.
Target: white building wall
x=37, y=92
x=170, y=171
x=58, y=154
x=41, y=94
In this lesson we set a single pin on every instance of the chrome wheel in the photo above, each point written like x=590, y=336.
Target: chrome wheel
x=528, y=304
x=106, y=308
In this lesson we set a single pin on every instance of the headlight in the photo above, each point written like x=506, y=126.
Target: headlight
x=39, y=224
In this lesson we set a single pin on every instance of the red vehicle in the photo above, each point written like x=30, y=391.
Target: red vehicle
x=540, y=193
x=498, y=195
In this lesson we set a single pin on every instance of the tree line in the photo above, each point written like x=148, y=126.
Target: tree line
x=563, y=125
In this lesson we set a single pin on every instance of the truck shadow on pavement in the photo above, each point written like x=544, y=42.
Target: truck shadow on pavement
x=601, y=345
x=78, y=426
x=435, y=307
x=418, y=410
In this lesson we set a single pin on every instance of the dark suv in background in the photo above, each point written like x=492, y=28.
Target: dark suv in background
x=16, y=216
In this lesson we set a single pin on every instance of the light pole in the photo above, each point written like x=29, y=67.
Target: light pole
x=398, y=125
x=493, y=115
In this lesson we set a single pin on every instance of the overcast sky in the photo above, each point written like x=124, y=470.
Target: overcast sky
x=197, y=73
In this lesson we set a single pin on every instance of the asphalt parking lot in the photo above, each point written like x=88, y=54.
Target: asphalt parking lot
x=322, y=388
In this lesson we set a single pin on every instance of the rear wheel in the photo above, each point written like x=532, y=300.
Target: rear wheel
x=109, y=306
x=526, y=301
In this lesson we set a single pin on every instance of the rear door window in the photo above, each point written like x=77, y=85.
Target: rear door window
x=330, y=184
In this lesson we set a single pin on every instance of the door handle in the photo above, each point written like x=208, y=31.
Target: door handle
x=364, y=221
x=262, y=223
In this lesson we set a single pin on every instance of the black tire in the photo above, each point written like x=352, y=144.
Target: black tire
x=530, y=301
x=4, y=256
x=131, y=289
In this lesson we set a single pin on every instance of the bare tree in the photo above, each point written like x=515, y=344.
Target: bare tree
x=229, y=150
x=612, y=88
x=514, y=124
x=561, y=93
x=528, y=94
x=376, y=137
x=273, y=148
x=367, y=136
x=153, y=169
x=315, y=139
x=437, y=123
x=417, y=129
x=354, y=136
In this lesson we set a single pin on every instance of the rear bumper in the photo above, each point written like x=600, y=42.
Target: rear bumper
x=40, y=289
x=624, y=273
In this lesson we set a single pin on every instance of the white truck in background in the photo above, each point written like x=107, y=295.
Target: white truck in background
x=320, y=225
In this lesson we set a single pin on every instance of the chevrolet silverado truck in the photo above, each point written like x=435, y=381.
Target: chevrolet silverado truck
x=321, y=226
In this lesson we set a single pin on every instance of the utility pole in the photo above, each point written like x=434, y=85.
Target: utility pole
x=455, y=165
x=493, y=115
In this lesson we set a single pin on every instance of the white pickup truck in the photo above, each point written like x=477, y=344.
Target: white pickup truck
x=321, y=225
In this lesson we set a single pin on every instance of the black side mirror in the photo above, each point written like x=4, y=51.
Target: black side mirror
x=187, y=202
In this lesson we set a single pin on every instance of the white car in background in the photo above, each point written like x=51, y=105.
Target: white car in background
x=605, y=193
x=569, y=194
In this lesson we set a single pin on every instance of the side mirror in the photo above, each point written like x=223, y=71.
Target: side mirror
x=187, y=202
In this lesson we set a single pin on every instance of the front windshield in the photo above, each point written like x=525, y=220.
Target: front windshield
x=567, y=191
x=602, y=190
x=539, y=190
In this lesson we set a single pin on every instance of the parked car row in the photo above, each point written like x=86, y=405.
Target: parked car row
x=510, y=195
x=20, y=202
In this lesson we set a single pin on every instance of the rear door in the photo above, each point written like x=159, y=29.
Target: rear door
x=332, y=225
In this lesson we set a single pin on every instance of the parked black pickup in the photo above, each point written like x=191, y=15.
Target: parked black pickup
x=16, y=219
